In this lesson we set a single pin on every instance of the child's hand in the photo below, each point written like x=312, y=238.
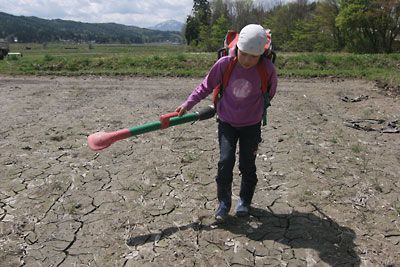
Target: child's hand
x=181, y=110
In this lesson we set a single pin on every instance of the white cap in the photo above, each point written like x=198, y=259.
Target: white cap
x=252, y=39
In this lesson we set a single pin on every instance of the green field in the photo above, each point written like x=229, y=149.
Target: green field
x=179, y=61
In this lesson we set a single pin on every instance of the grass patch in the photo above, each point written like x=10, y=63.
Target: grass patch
x=334, y=140
x=382, y=67
x=160, y=60
x=179, y=61
x=357, y=148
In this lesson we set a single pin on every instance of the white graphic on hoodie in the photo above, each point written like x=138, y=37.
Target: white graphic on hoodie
x=241, y=88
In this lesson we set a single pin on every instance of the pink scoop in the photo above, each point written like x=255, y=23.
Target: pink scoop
x=101, y=140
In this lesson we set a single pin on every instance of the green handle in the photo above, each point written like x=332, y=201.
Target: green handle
x=156, y=125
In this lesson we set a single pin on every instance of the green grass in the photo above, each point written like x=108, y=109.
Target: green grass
x=357, y=149
x=383, y=67
x=179, y=61
x=74, y=59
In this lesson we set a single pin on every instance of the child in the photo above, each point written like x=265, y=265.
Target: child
x=240, y=112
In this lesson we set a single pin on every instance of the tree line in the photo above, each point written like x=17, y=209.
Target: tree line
x=359, y=26
x=37, y=30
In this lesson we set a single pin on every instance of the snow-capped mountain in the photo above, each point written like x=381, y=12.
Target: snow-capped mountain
x=169, y=25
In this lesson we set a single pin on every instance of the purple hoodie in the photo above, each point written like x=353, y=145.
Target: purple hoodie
x=242, y=103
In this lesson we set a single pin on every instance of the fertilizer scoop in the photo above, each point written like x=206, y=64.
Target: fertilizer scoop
x=101, y=140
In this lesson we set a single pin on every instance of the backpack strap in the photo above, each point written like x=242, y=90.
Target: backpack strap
x=231, y=39
x=219, y=89
x=228, y=71
x=263, y=72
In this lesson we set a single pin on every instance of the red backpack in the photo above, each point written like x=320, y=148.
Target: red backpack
x=229, y=48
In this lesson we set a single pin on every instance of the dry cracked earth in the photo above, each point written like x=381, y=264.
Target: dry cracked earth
x=328, y=169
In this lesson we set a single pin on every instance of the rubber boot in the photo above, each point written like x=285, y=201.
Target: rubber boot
x=246, y=196
x=224, y=194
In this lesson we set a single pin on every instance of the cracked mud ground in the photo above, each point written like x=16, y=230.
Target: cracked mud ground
x=328, y=195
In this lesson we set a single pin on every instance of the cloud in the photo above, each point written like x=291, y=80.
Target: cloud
x=129, y=12
x=140, y=13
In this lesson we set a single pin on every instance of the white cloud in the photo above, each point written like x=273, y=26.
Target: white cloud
x=129, y=12
x=142, y=13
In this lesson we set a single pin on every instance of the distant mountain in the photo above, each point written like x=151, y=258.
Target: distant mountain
x=33, y=29
x=169, y=25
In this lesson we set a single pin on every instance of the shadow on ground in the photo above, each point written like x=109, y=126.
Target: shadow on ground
x=334, y=243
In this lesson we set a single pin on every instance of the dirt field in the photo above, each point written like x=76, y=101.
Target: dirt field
x=328, y=194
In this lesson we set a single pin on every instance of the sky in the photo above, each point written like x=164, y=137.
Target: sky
x=141, y=13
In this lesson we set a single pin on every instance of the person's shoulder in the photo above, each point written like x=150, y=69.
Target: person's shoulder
x=224, y=60
x=269, y=64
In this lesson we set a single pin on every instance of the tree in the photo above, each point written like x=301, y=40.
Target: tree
x=198, y=22
x=326, y=13
x=218, y=33
x=387, y=19
x=243, y=12
x=308, y=36
x=192, y=30
x=284, y=20
x=218, y=9
x=369, y=25
x=317, y=31
x=202, y=11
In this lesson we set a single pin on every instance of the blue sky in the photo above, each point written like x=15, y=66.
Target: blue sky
x=141, y=13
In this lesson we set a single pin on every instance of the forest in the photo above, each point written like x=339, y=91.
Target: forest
x=358, y=26
x=38, y=30
x=355, y=26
